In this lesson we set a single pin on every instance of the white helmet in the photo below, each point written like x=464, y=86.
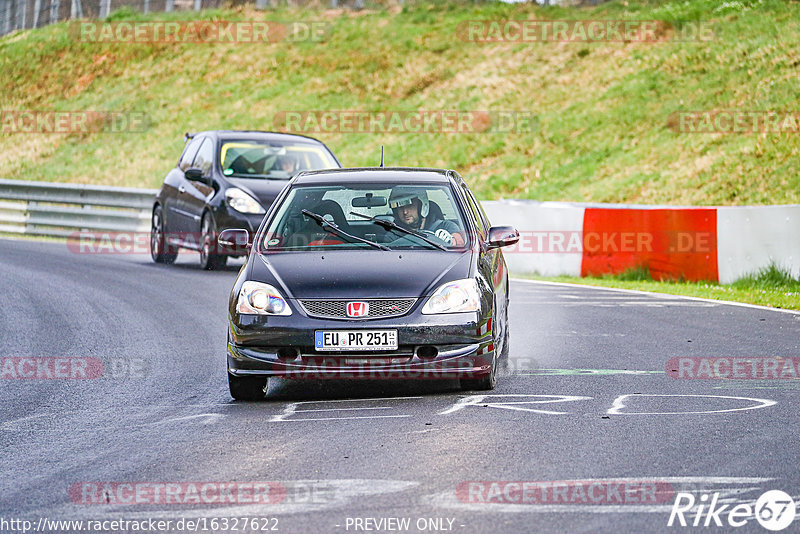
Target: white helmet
x=403, y=195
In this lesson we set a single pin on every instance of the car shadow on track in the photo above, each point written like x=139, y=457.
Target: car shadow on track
x=310, y=390
x=194, y=266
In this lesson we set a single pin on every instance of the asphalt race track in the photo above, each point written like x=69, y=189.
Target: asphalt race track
x=584, y=396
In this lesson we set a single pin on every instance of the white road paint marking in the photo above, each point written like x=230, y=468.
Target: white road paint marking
x=619, y=404
x=59, y=418
x=660, y=295
x=291, y=409
x=209, y=419
x=479, y=400
x=654, y=303
x=734, y=487
x=276, y=418
x=341, y=494
x=573, y=372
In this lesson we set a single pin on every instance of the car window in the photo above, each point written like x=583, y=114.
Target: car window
x=475, y=210
x=290, y=229
x=205, y=157
x=275, y=160
x=483, y=217
x=189, y=152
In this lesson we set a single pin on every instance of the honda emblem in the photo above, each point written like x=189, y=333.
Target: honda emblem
x=357, y=309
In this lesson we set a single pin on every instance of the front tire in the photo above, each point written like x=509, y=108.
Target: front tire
x=208, y=260
x=247, y=388
x=160, y=251
x=486, y=382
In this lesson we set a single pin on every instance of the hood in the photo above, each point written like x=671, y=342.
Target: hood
x=262, y=189
x=360, y=274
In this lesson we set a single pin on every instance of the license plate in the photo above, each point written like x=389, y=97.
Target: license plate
x=344, y=340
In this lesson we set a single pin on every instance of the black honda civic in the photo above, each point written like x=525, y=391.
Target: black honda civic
x=369, y=273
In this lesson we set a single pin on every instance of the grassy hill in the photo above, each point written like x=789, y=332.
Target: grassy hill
x=603, y=109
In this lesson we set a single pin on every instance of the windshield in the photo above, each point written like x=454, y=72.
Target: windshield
x=272, y=160
x=348, y=211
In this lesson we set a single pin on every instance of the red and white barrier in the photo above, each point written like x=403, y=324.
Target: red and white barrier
x=752, y=237
x=703, y=243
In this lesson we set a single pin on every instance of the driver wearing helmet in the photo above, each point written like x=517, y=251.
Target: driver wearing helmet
x=411, y=209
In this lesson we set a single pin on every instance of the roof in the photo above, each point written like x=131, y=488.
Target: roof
x=375, y=174
x=258, y=134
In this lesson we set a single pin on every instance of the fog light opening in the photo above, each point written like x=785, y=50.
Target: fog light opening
x=288, y=354
x=427, y=352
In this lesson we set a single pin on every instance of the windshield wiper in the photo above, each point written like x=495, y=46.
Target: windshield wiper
x=394, y=226
x=333, y=227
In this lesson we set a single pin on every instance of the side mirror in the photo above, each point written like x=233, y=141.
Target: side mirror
x=502, y=236
x=196, y=175
x=235, y=239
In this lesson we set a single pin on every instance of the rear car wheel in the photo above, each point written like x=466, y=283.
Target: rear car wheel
x=247, y=388
x=160, y=251
x=208, y=260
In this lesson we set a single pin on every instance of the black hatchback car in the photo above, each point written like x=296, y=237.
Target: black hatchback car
x=370, y=273
x=226, y=179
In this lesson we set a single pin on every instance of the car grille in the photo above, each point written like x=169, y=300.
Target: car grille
x=337, y=309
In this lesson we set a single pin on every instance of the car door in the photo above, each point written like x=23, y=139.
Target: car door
x=176, y=184
x=194, y=197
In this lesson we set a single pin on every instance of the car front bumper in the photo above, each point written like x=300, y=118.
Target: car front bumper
x=284, y=346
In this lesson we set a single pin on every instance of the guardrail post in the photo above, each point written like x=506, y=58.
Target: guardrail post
x=22, y=14
x=6, y=16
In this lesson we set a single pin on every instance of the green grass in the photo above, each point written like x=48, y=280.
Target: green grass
x=603, y=108
x=772, y=287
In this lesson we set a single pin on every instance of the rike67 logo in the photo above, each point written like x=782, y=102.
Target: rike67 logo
x=774, y=510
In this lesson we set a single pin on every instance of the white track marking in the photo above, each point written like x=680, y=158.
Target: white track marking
x=342, y=494
x=480, y=401
x=619, y=404
x=292, y=409
x=732, y=486
x=659, y=295
x=652, y=303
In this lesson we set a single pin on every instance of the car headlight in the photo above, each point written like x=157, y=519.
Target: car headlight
x=261, y=299
x=242, y=202
x=454, y=297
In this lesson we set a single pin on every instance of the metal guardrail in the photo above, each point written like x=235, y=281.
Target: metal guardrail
x=27, y=14
x=61, y=210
